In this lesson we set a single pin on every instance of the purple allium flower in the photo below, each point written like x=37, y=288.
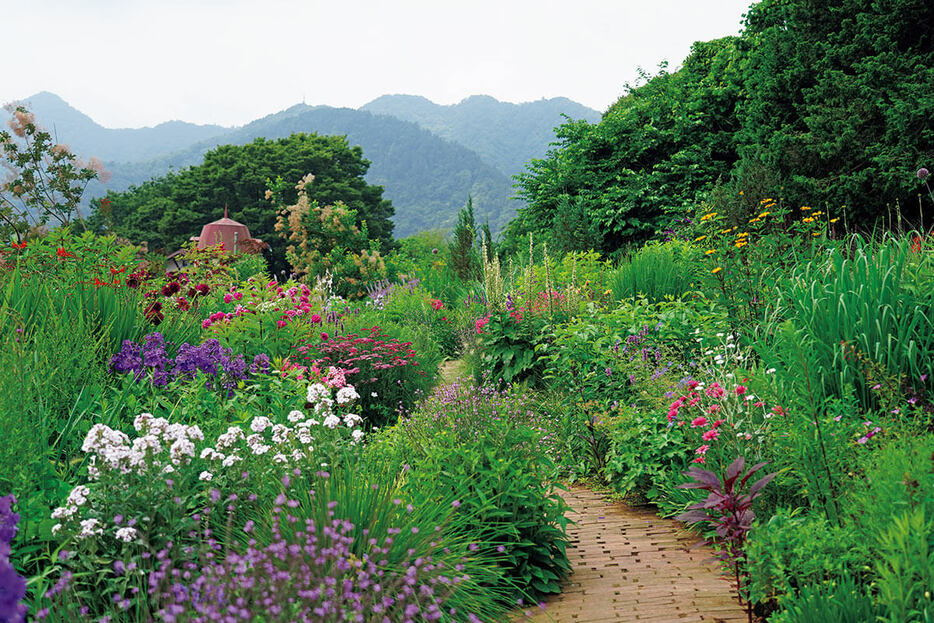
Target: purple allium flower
x=923, y=173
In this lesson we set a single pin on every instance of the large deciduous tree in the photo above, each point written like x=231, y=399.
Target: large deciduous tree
x=166, y=211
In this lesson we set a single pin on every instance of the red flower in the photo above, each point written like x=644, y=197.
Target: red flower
x=114, y=271
x=21, y=245
x=61, y=252
x=436, y=304
x=916, y=244
x=324, y=337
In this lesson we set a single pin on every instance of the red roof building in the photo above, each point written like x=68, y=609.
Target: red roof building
x=227, y=231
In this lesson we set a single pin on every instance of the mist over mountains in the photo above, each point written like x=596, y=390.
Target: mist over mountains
x=428, y=157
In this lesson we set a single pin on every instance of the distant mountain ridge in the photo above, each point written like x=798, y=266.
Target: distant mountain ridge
x=506, y=135
x=429, y=158
x=88, y=138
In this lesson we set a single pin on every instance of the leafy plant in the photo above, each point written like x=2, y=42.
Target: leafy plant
x=728, y=510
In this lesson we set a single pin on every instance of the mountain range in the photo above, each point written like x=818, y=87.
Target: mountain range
x=428, y=157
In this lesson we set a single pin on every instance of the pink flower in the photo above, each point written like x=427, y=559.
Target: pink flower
x=227, y=298
x=718, y=423
x=758, y=404
x=324, y=337
x=713, y=409
x=205, y=323
x=778, y=410
x=672, y=415
x=699, y=421
x=281, y=323
x=702, y=450
x=715, y=391
x=238, y=295
x=699, y=459
x=480, y=323
x=315, y=318
x=740, y=389
x=713, y=433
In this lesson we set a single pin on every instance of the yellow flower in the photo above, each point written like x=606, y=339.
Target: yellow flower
x=725, y=231
x=740, y=192
x=708, y=216
x=807, y=220
x=716, y=270
x=817, y=233
x=607, y=292
x=834, y=220
x=740, y=244
x=766, y=200
x=708, y=252
x=818, y=213
x=740, y=235
x=764, y=214
x=699, y=238
x=805, y=208
x=755, y=220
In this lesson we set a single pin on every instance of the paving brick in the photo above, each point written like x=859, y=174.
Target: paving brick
x=630, y=565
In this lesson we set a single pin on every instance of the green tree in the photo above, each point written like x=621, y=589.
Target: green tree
x=838, y=103
x=654, y=153
x=166, y=211
x=464, y=258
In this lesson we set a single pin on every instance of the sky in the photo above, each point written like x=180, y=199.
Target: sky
x=134, y=63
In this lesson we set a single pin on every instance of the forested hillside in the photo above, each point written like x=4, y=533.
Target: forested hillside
x=427, y=178
x=814, y=104
x=505, y=135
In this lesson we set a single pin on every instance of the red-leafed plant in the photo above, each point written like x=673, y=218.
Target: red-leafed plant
x=728, y=510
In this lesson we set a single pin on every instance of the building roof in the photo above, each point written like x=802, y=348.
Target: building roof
x=226, y=231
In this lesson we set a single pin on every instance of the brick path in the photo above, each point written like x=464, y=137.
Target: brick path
x=631, y=565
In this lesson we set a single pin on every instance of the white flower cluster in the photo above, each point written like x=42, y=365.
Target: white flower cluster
x=162, y=446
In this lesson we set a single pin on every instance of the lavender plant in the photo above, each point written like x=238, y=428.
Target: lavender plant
x=12, y=585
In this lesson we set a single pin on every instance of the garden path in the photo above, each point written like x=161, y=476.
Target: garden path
x=631, y=565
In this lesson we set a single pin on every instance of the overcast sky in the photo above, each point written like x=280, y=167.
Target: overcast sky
x=132, y=63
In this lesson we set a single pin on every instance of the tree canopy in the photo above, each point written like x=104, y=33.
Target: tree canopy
x=166, y=211
x=816, y=103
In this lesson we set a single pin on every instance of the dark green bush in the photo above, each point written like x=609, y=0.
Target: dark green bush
x=483, y=448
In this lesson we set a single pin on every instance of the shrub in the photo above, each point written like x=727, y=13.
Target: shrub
x=476, y=444
x=383, y=368
x=657, y=271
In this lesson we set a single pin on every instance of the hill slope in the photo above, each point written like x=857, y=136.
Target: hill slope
x=505, y=135
x=88, y=138
x=427, y=178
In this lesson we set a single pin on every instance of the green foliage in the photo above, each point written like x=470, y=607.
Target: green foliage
x=464, y=258
x=652, y=154
x=477, y=446
x=837, y=104
x=507, y=347
x=843, y=601
x=792, y=551
x=645, y=454
x=656, y=271
x=166, y=211
x=325, y=242
x=849, y=312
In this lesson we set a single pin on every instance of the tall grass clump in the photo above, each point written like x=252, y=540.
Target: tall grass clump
x=855, y=321
x=656, y=271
